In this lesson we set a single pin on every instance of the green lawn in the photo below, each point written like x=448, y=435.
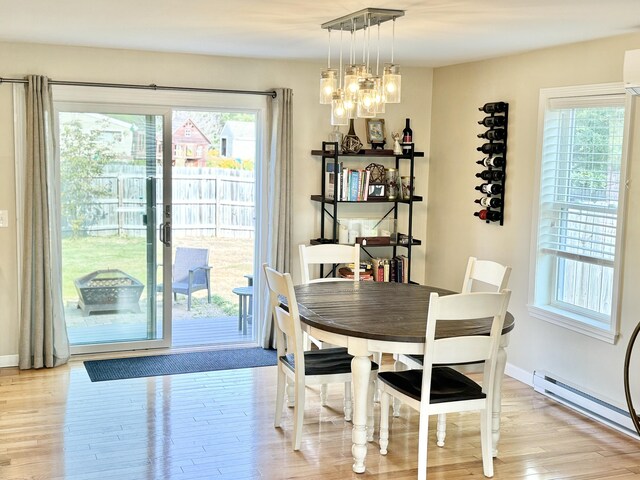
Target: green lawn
x=229, y=257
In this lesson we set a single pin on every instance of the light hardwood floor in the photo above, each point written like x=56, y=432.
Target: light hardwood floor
x=56, y=424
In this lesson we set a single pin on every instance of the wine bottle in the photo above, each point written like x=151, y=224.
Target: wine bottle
x=407, y=137
x=493, y=107
x=492, y=202
x=485, y=175
x=492, y=121
x=495, y=162
x=407, y=133
x=491, y=148
x=491, y=215
x=490, y=188
x=497, y=134
x=497, y=175
x=494, y=175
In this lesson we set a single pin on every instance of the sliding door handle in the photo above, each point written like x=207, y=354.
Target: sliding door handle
x=165, y=233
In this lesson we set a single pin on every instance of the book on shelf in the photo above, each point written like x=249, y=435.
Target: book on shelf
x=380, y=268
x=365, y=188
x=401, y=272
x=405, y=268
x=391, y=269
x=401, y=267
x=330, y=181
x=365, y=272
x=354, y=185
x=344, y=185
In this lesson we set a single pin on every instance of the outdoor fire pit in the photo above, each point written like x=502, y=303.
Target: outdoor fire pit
x=108, y=291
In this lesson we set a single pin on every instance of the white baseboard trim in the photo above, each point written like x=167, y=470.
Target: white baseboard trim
x=519, y=374
x=581, y=400
x=8, y=361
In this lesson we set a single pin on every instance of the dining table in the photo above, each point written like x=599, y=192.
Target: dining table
x=368, y=317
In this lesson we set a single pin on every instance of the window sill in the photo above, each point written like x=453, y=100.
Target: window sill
x=573, y=321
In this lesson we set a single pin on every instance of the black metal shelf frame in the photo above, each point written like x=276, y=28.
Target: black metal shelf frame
x=331, y=152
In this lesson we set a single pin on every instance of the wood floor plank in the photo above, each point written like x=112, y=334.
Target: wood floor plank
x=57, y=424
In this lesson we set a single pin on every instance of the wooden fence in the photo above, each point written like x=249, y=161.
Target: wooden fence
x=212, y=202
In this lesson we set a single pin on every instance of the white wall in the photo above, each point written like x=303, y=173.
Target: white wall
x=311, y=126
x=454, y=233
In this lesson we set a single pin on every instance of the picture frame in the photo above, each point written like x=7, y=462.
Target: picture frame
x=376, y=190
x=375, y=131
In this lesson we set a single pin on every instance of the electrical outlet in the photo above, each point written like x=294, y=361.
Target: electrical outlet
x=4, y=218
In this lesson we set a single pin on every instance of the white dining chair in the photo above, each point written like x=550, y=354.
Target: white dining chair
x=435, y=390
x=481, y=275
x=312, y=256
x=300, y=368
x=485, y=275
x=333, y=254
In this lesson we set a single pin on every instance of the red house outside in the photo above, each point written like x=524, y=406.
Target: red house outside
x=190, y=146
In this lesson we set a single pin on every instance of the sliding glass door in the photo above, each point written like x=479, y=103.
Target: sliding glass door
x=115, y=187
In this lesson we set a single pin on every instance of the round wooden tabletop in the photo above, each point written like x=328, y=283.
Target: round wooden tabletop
x=395, y=312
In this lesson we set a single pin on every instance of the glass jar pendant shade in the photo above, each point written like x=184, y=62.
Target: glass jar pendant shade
x=339, y=114
x=351, y=84
x=367, y=99
x=392, y=83
x=328, y=85
x=364, y=90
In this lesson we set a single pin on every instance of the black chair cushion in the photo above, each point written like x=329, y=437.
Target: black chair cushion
x=324, y=362
x=447, y=385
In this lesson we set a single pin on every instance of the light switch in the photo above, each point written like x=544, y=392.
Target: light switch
x=4, y=218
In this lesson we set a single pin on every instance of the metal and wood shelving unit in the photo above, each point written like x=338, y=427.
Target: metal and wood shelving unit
x=329, y=219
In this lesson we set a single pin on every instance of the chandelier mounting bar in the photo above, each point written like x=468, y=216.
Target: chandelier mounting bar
x=362, y=19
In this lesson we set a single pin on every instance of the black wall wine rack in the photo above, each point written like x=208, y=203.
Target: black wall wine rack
x=494, y=162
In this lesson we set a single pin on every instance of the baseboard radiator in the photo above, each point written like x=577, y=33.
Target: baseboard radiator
x=583, y=402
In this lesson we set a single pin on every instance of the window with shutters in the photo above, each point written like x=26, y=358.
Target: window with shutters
x=580, y=208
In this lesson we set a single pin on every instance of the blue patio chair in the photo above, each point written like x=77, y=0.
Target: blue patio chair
x=191, y=272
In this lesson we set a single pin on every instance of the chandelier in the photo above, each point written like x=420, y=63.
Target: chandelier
x=360, y=91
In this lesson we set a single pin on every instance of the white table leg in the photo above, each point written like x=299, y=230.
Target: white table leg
x=361, y=371
x=398, y=366
x=501, y=363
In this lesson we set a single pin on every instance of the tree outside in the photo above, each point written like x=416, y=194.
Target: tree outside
x=83, y=156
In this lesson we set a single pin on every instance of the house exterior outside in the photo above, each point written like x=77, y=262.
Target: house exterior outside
x=238, y=140
x=121, y=136
x=190, y=146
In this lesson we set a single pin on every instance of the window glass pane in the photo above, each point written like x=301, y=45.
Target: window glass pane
x=580, y=186
x=584, y=285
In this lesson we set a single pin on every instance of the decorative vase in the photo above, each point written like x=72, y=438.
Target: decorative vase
x=351, y=143
x=336, y=136
x=392, y=183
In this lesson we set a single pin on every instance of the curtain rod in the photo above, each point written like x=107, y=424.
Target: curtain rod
x=152, y=86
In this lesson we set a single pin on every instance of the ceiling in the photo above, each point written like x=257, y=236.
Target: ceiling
x=432, y=32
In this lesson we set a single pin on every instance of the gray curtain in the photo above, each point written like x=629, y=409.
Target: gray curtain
x=277, y=194
x=43, y=334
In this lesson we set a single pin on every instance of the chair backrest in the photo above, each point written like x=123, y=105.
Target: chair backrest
x=493, y=276
x=328, y=254
x=469, y=348
x=187, y=259
x=287, y=322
